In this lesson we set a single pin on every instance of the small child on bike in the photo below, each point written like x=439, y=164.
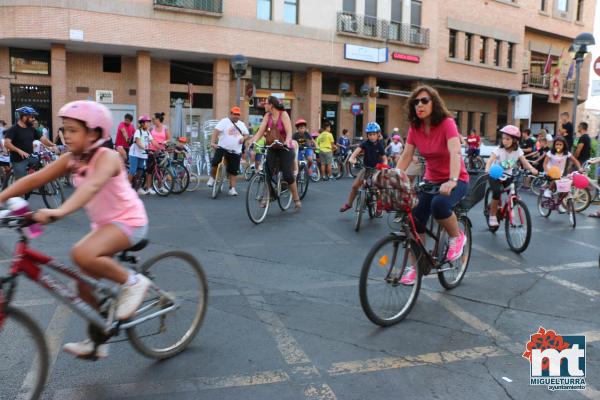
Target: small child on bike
x=374, y=153
x=118, y=217
x=473, y=143
x=395, y=148
x=558, y=157
x=343, y=143
x=507, y=155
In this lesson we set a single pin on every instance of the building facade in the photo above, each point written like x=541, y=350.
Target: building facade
x=346, y=61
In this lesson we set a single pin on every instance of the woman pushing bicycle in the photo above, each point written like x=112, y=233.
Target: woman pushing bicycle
x=434, y=134
x=118, y=217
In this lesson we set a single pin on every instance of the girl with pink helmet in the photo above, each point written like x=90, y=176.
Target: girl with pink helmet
x=394, y=149
x=118, y=217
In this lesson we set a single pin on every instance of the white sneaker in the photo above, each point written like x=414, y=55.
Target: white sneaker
x=562, y=209
x=211, y=182
x=493, y=221
x=151, y=191
x=141, y=192
x=131, y=297
x=548, y=193
x=233, y=192
x=85, y=348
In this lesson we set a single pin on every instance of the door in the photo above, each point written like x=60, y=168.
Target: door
x=330, y=113
x=380, y=118
x=38, y=97
x=118, y=112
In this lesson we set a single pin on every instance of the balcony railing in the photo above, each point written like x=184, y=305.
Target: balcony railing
x=206, y=6
x=542, y=81
x=366, y=26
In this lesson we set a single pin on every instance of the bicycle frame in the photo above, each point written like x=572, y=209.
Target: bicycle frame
x=31, y=263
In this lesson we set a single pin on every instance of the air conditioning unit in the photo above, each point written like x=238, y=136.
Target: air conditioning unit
x=349, y=23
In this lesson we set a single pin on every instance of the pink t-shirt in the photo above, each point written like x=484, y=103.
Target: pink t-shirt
x=434, y=148
x=160, y=137
x=120, y=140
x=116, y=201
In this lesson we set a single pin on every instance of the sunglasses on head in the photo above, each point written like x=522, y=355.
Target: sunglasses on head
x=422, y=100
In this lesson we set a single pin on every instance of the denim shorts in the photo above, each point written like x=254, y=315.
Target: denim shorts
x=136, y=163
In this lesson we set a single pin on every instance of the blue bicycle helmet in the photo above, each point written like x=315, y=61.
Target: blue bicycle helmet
x=373, y=127
x=26, y=110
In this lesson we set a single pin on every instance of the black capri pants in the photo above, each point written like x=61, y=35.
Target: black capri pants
x=283, y=159
x=498, y=187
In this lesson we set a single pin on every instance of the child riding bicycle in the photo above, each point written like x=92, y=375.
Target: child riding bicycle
x=374, y=153
x=507, y=155
x=118, y=217
x=558, y=157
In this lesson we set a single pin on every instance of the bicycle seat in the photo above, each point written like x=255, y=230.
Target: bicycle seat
x=138, y=246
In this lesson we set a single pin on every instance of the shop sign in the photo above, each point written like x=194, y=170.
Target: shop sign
x=356, y=109
x=523, y=104
x=261, y=101
x=329, y=114
x=368, y=54
x=406, y=57
x=104, y=96
x=76, y=34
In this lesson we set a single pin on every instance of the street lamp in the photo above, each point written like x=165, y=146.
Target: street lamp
x=580, y=49
x=239, y=64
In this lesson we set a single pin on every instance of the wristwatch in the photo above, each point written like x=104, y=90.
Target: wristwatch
x=453, y=179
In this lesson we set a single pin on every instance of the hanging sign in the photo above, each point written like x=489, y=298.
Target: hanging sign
x=356, y=109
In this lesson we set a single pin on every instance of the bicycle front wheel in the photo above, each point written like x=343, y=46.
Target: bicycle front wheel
x=384, y=299
x=453, y=273
x=194, y=182
x=303, y=181
x=25, y=358
x=52, y=194
x=216, y=189
x=257, y=199
x=284, y=194
x=182, y=284
x=582, y=198
x=182, y=178
x=359, y=208
x=162, y=182
x=518, y=226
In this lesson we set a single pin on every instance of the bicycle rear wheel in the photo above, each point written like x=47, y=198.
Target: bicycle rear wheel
x=284, y=195
x=384, y=300
x=162, y=182
x=541, y=205
x=52, y=194
x=25, y=358
x=303, y=180
x=257, y=199
x=181, y=276
x=518, y=226
x=216, y=189
x=194, y=182
x=314, y=172
x=182, y=178
x=454, y=272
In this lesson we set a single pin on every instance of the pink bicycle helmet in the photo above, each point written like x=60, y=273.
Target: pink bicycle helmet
x=93, y=115
x=144, y=118
x=396, y=137
x=511, y=130
x=314, y=134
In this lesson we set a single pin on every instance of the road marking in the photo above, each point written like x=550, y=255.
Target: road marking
x=387, y=363
x=287, y=345
x=566, y=239
x=590, y=392
x=320, y=392
x=53, y=334
x=191, y=385
x=578, y=288
x=467, y=317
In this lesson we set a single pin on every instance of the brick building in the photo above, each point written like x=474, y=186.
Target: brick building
x=139, y=55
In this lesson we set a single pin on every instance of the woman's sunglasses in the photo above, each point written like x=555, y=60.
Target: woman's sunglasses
x=422, y=100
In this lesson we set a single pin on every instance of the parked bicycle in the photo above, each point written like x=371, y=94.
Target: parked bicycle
x=513, y=211
x=163, y=326
x=385, y=300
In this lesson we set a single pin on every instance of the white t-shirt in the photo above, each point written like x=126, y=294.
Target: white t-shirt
x=507, y=159
x=229, y=135
x=558, y=160
x=396, y=148
x=145, y=138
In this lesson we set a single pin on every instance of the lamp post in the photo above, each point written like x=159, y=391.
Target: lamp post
x=239, y=64
x=580, y=48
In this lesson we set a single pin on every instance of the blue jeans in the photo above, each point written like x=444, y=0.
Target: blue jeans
x=439, y=205
x=136, y=163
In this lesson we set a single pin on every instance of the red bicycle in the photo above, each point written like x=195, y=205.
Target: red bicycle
x=162, y=327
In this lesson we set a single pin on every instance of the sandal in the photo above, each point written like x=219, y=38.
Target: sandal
x=345, y=207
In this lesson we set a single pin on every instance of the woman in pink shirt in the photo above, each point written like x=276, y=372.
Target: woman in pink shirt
x=433, y=132
x=160, y=133
x=118, y=217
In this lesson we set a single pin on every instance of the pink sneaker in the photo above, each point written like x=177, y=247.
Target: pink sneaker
x=409, y=276
x=456, y=246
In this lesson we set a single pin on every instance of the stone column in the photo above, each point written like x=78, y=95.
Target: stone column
x=221, y=89
x=5, y=109
x=489, y=54
x=503, y=54
x=460, y=45
x=475, y=48
x=464, y=122
x=144, y=83
x=58, y=81
x=370, y=110
x=314, y=89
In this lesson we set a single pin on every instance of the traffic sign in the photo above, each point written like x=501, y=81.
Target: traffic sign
x=597, y=66
x=356, y=109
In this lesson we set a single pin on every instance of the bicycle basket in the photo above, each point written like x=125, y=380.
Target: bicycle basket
x=396, y=192
x=563, y=185
x=477, y=185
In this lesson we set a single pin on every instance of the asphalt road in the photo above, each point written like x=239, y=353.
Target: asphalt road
x=284, y=319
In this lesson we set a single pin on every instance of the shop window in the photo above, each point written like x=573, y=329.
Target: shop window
x=452, y=44
x=183, y=72
x=482, y=49
x=468, y=46
x=200, y=100
x=397, y=11
x=25, y=61
x=415, y=13
x=111, y=64
x=264, y=9
x=497, y=53
x=349, y=6
x=290, y=11
x=271, y=79
x=511, y=54
x=562, y=5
